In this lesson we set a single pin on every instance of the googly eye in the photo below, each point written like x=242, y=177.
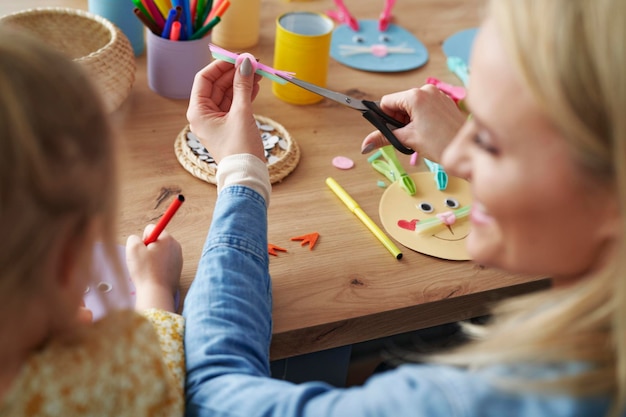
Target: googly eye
x=104, y=287
x=452, y=203
x=425, y=207
x=384, y=38
x=358, y=39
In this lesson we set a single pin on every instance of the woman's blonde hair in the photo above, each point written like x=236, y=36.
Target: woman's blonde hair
x=571, y=56
x=56, y=159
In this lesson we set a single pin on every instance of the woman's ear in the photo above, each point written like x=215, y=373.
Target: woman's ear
x=610, y=225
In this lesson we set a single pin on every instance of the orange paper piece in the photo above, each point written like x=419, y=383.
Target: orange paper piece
x=271, y=249
x=310, y=238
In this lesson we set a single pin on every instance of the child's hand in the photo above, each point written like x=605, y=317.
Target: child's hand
x=84, y=315
x=154, y=269
x=220, y=109
x=432, y=118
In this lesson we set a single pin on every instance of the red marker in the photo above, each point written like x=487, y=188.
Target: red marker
x=175, y=32
x=167, y=216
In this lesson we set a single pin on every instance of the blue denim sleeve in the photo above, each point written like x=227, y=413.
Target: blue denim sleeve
x=228, y=331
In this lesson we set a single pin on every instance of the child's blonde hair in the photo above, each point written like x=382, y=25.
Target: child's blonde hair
x=56, y=160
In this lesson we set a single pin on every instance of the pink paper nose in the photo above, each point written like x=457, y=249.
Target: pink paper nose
x=448, y=218
x=380, y=50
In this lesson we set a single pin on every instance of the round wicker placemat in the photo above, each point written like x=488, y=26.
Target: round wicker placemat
x=283, y=155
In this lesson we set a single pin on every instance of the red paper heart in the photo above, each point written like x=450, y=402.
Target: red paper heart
x=408, y=225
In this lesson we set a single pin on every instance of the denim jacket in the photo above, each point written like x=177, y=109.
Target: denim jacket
x=228, y=312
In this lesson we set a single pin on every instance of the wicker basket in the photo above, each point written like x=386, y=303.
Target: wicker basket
x=96, y=43
x=283, y=162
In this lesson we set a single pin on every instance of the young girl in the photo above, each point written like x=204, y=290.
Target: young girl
x=545, y=153
x=57, y=198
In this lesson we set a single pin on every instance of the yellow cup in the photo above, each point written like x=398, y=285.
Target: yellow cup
x=302, y=46
x=239, y=27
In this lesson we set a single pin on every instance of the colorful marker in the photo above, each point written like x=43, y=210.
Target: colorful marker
x=167, y=216
x=206, y=29
x=163, y=5
x=175, y=32
x=142, y=8
x=207, y=9
x=218, y=10
x=367, y=221
x=188, y=21
x=153, y=27
x=155, y=13
x=171, y=18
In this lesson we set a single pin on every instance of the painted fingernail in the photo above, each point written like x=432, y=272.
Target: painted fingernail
x=367, y=148
x=246, y=67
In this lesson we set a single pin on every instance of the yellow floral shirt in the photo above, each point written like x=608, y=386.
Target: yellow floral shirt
x=121, y=367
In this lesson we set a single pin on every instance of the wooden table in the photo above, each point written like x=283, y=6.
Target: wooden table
x=349, y=289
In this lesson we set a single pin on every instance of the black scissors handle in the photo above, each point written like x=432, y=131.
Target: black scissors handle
x=386, y=124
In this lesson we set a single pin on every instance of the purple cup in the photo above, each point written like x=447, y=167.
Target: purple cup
x=172, y=65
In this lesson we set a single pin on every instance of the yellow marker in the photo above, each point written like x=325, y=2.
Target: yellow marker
x=358, y=211
x=164, y=6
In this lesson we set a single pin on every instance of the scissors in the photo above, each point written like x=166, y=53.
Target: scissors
x=370, y=110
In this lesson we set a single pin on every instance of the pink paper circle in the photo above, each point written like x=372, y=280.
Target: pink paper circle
x=343, y=162
x=253, y=61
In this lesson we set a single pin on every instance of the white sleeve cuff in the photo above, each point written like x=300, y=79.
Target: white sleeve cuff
x=247, y=170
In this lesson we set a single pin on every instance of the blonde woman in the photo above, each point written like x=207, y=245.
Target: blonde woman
x=57, y=198
x=545, y=153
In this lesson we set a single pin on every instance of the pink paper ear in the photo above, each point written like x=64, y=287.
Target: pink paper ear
x=455, y=92
x=253, y=61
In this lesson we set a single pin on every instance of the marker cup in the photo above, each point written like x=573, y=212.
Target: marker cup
x=120, y=13
x=239, y=27
x=302, y=46
x=172, y=65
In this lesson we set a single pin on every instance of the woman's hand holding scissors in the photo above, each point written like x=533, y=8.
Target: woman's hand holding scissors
x=432, y=120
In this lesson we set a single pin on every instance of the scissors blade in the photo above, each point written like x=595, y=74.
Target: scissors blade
x=348, y=101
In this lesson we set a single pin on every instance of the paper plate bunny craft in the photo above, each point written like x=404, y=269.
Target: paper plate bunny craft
x=428, y=211
x=374, y=45
x=432, y=221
